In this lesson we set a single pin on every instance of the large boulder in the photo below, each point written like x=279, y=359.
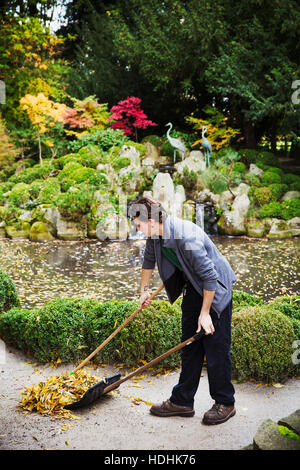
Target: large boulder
x=195, y=162
x=290, y=195
x=255, y=170
x=232, y=222
x=152, y=152
x=18, y=233
x=284, y=228
x=70, y=230
x=39, y=232
x=114, y=227
x=256, y=228
x=163, y=191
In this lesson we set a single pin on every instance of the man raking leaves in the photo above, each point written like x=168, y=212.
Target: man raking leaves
x=189, y=262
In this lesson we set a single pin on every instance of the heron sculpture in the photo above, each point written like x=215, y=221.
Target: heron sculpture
x=176, y=143
x=206, y=145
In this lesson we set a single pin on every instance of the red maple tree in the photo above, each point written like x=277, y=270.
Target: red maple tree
x=129, y=116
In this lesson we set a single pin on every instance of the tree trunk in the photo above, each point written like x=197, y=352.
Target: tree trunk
x=249, y=134
x=40, y=150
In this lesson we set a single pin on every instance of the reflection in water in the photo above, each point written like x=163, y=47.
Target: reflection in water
x=106, y=270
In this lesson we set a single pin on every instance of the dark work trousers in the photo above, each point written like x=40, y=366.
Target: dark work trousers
x=215, y=347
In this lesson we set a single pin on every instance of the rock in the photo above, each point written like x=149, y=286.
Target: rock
x=268, y=437
x=49, y=216
x=148, y=161
x=226, y=199
x=163, y=191
x=152, y=152
x=39, y=232
x=114, y=227
x=294, y=223
x=241, y=204
x=25, y=216
x=292, y=422
x=133, y=154
x=255, y=170
x=179, y=198
x=195, y=162
x=189, y=210
x=18, y=234
x=290, y=195
x=243, y=188
x=2, y=232
x=204, y=196
x=70, y=230
x=256, y=228
x=233, y=222
x=282, y=229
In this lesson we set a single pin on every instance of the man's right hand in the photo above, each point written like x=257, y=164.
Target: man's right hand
x=144, y=301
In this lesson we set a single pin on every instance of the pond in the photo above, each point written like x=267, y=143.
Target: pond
x=107, y=270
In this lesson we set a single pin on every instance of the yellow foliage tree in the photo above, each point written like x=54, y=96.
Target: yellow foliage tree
x=43, y=114
x=218, y=132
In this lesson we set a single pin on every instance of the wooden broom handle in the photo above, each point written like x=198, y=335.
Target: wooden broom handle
x=115, y=332
x=196, y=337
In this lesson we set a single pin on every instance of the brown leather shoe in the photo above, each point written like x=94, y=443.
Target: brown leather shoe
x=167, y=408
x=218, y=414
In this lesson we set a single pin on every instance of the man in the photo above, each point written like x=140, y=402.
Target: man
x=189, y=262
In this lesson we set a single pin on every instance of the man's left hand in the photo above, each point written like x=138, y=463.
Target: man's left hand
x=206, y=323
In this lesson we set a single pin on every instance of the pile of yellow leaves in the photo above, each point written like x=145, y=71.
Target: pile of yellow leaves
x=52, y=396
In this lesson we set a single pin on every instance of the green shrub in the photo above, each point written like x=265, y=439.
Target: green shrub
x=267, y=158
x=19, y=195
x=90, y=156
x=121, y=162
x=76, y=202
x=278, y=190
x=281, y=210
x=242, y=299
x=252, y=179
x=53, y=331
x=290, y=178
x=239, y=167
x=262, y=340
x=72, y=328
x=276, y=170
x=10, y=214
x=250, y=155
x=153, y=331
x=289, y=305
x=89, y=176
x=295, y=186
x=49, y=191
x=262, y=196
x=35, y=187
x=69, y=158
x=153, y=139
x=68, y=168
x=30, y=174
x=8, y=293
x=270, y=177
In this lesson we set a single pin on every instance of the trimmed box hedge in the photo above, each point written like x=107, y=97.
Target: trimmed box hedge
x=69, y=329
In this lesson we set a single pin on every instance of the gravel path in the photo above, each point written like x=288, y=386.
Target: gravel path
x=120, y=423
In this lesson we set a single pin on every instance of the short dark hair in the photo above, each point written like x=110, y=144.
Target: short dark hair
x=145, y=208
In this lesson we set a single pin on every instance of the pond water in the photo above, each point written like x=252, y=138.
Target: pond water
x=107, y=270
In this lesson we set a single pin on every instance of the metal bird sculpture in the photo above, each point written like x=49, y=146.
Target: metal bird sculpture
x=206, y=145
x=176, y=143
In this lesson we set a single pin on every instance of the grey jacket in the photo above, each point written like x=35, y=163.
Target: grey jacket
x=202, y=263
